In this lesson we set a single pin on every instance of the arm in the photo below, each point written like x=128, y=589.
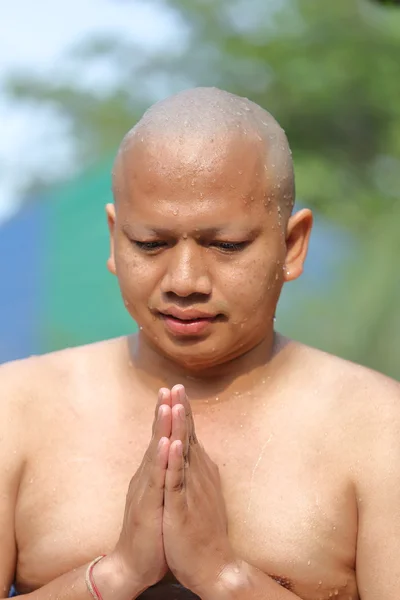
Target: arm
x=375, y=448
x=138, y=560
x=196, y=541
x=12, y=458
x=378, y=497
x=245, y=582
x=72, y=585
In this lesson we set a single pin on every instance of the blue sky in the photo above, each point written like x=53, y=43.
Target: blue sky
x=34, y=34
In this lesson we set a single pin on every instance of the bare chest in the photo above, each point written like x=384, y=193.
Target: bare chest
x=291, y=512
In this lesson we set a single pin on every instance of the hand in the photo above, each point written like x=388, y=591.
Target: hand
x=139, y=551
x=196, y=542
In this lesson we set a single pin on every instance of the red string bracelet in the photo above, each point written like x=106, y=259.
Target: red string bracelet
x=90, y=583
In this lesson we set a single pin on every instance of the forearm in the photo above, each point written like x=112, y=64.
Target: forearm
x=246, y=582
x=72, y=585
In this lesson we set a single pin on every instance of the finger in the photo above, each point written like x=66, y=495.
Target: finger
x=179, y=396
x=174, y=497
x=180, y=427
x=163, y=397
x=162, y=425
x=154, y=490
x=175, y=394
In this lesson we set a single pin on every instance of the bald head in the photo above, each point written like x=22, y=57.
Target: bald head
x=201, y=123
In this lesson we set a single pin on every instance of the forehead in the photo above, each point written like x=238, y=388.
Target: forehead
x=193, y=174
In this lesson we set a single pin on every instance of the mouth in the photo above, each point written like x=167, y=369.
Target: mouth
x=187, y=325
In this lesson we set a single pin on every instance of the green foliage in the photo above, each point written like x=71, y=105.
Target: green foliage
x=330, y=73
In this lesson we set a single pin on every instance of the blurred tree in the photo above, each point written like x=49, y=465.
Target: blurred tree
x=330, y=73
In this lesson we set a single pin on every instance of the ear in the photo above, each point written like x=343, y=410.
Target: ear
x=297, y=239
x=110, y=212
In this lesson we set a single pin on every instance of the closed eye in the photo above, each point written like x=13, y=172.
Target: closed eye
x=230, y=246
x=149, y=246
x=226, y=247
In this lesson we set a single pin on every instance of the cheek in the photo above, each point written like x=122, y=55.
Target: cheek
x=136, y=277
x=252, y=285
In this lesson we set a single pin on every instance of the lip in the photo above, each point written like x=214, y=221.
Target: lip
x=186, y=314
x=186, y=323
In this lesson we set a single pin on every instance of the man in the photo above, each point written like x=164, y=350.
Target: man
x=280, y=478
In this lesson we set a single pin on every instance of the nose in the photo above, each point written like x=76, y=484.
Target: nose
x=187, y=272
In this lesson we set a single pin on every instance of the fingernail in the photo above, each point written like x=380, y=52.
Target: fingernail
x=182, y=394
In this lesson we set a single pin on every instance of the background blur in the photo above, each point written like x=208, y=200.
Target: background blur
x=76, y=76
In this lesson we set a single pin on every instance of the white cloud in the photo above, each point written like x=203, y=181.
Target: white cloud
x=34, y=35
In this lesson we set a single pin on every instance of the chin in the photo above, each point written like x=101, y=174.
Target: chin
x=202, y=357
x=195, y=355
x=198, y=354
x=193, y=359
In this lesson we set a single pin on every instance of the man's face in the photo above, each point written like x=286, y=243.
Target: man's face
x=197, y=246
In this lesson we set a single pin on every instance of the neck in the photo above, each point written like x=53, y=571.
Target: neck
x=155, y=370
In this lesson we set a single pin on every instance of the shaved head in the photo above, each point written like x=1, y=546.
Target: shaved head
x=202, y=124
x=204, y=191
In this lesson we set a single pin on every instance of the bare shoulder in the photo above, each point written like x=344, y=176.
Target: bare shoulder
x=355, y=383
x=363, y=403
x=32, y=384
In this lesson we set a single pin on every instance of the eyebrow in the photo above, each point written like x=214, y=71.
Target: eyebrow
x=209, y=231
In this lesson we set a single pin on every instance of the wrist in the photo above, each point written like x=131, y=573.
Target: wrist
x=113, y=581
x=232, y=581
